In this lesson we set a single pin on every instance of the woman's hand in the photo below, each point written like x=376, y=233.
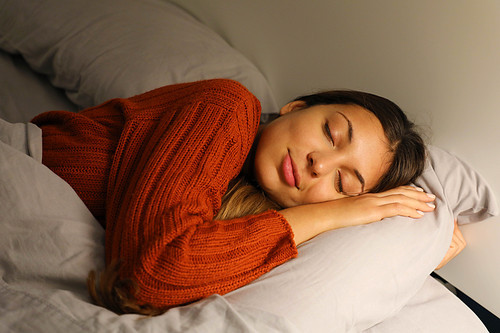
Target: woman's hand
x=458, y=243
x=371, y=207
x=308, y=221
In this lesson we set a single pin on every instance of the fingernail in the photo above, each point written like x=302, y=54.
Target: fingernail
x=419, y=189
x=431, y=205
x=420, y=212
x=432, y=196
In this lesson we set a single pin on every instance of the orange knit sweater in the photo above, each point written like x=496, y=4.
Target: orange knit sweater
x=156, y=166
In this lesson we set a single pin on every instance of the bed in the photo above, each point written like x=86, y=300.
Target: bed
x=72, y=55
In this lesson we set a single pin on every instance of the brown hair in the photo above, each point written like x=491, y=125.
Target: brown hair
x=405, y=143
x=242, y=198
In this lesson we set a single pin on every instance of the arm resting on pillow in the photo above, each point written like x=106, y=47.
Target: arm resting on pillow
x=307, y=221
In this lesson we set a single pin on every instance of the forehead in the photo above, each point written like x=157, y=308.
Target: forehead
x=371, y=149
x=353, y=109
x=353, y=113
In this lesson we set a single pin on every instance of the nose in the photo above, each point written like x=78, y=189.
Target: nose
x=321, y=163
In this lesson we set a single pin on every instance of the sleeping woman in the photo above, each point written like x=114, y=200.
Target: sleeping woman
x=197, y=198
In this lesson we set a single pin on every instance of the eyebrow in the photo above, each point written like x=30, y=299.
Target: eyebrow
x=361, y=180
x=349, y=126
x=349, y=136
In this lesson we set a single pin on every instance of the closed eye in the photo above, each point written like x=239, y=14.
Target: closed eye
x=339, y=183
x=328, y=133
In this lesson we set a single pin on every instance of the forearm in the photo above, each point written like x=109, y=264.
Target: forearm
x=308, y=221
x=208, y=257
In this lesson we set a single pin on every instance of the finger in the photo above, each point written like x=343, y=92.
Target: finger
x=458, y=236
x=418, y=193
x=457, y=245
x=399, y=209
x=410, y=191
x=450, y=254
x=461, y=242
x=411, y=187
x=443, y=262
x=410, y=202
x=454, y=250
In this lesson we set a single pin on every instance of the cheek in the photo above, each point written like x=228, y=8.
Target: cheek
x=264, y=174
x=320, y=192
x=264, y=164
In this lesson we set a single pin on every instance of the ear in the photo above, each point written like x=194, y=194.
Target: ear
x=295, y=105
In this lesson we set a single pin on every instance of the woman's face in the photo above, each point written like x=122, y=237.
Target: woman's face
x=320, y=153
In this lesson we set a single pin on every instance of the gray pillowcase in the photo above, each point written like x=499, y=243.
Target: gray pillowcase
x=97, y=50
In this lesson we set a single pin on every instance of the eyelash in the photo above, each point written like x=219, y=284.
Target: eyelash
x=330, y=138
x=339, y=182
x=328, y=133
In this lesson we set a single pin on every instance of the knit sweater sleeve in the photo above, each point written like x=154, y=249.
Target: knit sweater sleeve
x=180, y=147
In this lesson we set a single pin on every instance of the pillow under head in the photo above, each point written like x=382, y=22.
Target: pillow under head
x=348, y=280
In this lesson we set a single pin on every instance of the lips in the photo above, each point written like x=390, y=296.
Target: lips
x=290, y=171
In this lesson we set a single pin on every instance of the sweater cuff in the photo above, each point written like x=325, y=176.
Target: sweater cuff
x=292, y=247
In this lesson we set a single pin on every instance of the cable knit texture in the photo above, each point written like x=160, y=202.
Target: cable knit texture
x=155, y=167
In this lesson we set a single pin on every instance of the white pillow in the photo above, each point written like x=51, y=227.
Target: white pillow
x=350, y=279
x=342, y=281
x=101, y=49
